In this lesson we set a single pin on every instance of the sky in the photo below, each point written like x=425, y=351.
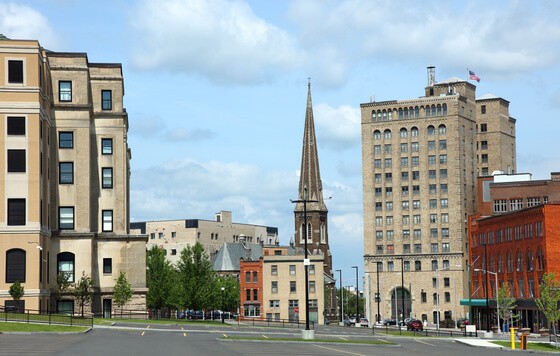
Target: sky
x=216, y=91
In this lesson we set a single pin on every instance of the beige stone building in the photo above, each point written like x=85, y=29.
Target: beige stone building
x=175, y=235
x=64, y=178
x=421, y=158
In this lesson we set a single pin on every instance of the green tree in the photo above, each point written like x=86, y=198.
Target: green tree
x=506, y=303
x=83, y=291
x=161, y=280
x=122, y=293
x=549, y=296
x=196, y=278
x=17, y=291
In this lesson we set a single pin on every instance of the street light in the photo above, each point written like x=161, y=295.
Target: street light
x=497, y=301
x=341, y=295
x=223, y=313
x=357, y=296
x=437, y=290
x=378, y=296
x=305, y=200
x=402, y=288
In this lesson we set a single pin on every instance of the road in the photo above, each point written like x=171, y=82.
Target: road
x=198, y=340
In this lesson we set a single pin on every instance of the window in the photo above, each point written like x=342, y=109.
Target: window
x=432, y=188
x=431, y=145
x=406, y=234
x=378, y=191
x=173, y=252
x=434, y=265
x=389, y=206
x=444, y=217
x=434, y=233
x=434, y=247
x=415, y=146
x=255, y=277
x=416, y=219
x=293, y=288
x=431, y=130
x=379, y=249
x=274, y=270
x=405, y=205
x=108, y=265
x=16, y=125
x=443, y=173
x=443, y=203
x=255, y=294
x=445, y=247
x=388, y=162
x=107, y=146
x=377, y=163
x=15, y=71
x=107, y=220
x=153, y=235
x=66, y=218
x=65, y=139
x=483, y=109
x=443, y=188
x=389, y=191
x=417, y=234
x=417, y=248
x=274, y=304
x=377, y=149
x=417, y=265
x=15, y=265
x=311, y=269
x=16, y=161
x=106, y=100
x=247, y=277
x=415, y=161
x=292, y=269
x=442, y=129
x=376, y=135
x=442, y=159
x=423, y=296
x=500, y=206
x=65, y=266
x=406, y=220
x=445, y=232
x=66, y=173
x=433, y=203
x=442, y=144
x=406, y=249
x=65, y=91
x=247, y=294
x=107, y=174
x=432, y=174
x=252, y=311
x=390, y=235
x=404, y=161
x=274, y=286
x=311, y=286
x=447, y=297
x=404, y=147
x=390, y=249
x=388, y=148
x=414, y=132
x=415, y=175
x=416, y=204
x=483, y=127
x=377, y=178
x=431, y=159
x=516, y=204
x=390, y=266
x=387, y=134
x=16, y=212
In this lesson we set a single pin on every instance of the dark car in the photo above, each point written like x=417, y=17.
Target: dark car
x=415, y=325
x=389, y=322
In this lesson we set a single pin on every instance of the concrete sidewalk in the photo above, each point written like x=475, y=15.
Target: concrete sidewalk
x=479, y=342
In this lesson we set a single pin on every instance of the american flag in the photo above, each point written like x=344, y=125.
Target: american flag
x=473, y=76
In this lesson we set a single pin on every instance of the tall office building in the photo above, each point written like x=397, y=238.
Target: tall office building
x=64, y=176
x=421, y=158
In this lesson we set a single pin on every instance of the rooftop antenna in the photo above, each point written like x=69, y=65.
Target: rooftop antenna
x=431, y=75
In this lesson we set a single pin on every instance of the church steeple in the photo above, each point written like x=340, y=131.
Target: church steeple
x=311, y=188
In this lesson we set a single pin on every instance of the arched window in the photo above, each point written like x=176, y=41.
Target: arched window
x=404, y=133
x=65, y=262
x=15, y=265
x=492, y=263
x=323, y=234
x=377, y=135
x=442, y=129
x=431, y=130
x=540, y=259
x=433, y=110
x=519, y=265
x=530, y=264
x=439, y=110
x=405, y=113
x=414, y=131
x=500, y=264
x=400, y=113
x=373, y=116
x=444, y=109
x=509, y=262
x=384, y=115
x=427, y=111
x=416, y=111
x=387, y=134
x=309, y=236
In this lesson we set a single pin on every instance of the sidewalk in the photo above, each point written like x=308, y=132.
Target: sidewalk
x=476, y=342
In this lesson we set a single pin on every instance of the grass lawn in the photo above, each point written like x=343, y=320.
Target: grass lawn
x=24, y=327
x=534, y=346
x=340, y=341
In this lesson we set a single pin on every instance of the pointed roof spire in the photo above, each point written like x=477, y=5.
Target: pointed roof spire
x=310, y=185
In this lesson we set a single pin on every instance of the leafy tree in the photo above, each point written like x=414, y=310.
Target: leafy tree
x=231, y=292
x=506, y=303
x=160, y=280
x=549, y=296
x=349, y=299
x=83, y=291
x=122, y=292
x=196, y=277
x=17, y=291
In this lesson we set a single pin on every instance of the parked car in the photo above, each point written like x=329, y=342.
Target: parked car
x=389, y=322
x=364, y=322
x=415, y=325
x=462, y=322
x=351, y=322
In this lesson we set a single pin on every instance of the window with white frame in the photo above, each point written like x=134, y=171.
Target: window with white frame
x=107, y=220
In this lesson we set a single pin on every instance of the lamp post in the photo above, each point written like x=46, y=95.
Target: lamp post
x=497, y=301
x=378, y=296
x=305, y=200
x=341, y=295
x=223, y=313
x=357, y=296
x=402, y=288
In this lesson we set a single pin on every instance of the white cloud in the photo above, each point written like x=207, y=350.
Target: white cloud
x=223, y=41
x=24, y=23
x=337, y=128
x=153, y=128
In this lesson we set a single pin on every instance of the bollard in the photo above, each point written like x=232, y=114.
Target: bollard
x=523, y=342
x=512, y=333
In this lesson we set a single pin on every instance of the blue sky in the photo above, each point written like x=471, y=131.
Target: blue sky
x=216, y=90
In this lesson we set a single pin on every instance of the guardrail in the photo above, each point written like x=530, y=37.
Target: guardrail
x=34, y=316
x=386, y=329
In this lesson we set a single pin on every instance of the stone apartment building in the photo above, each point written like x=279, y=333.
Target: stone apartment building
x=64, y=178
x=421, y=158
x=515, y=237
x=175, y=235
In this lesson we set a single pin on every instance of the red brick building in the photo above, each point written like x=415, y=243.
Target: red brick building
x=516, y=237
x=251, y=288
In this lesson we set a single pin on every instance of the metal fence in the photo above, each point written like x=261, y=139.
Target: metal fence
x=283, y=323
x=425, y=332
x=34, y=316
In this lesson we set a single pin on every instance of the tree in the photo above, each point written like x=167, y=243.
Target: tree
x=83, y=291
x=17, y=291
x=196, y=277
x=122, y=293
x=161, y=280
x=62, y=286
x=549, y=296
x=506, y=303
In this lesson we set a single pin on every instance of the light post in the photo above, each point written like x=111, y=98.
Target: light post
x=497, y=301
x=378, y=296
x=402, y=288
x=357, y=296
x=305, y=200
x=341, y=295
x=223, y=313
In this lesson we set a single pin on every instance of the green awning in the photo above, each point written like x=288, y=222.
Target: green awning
x=474, y=302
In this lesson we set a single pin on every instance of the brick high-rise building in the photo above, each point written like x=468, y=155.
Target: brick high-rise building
x=421, y=158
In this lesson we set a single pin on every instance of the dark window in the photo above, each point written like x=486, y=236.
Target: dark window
x=107, y=146
x=66, y=218
x=15, y=265
x=16, y=161
x=107, y=265
x=483, y=109
x=16, y=212
x=106, y=100
x=107, y=177
x=66, y=172
x=65, y=266
x=65, y=90
x=107, y=220
x=16, y=125
x=65, y=140
x=15, y=71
